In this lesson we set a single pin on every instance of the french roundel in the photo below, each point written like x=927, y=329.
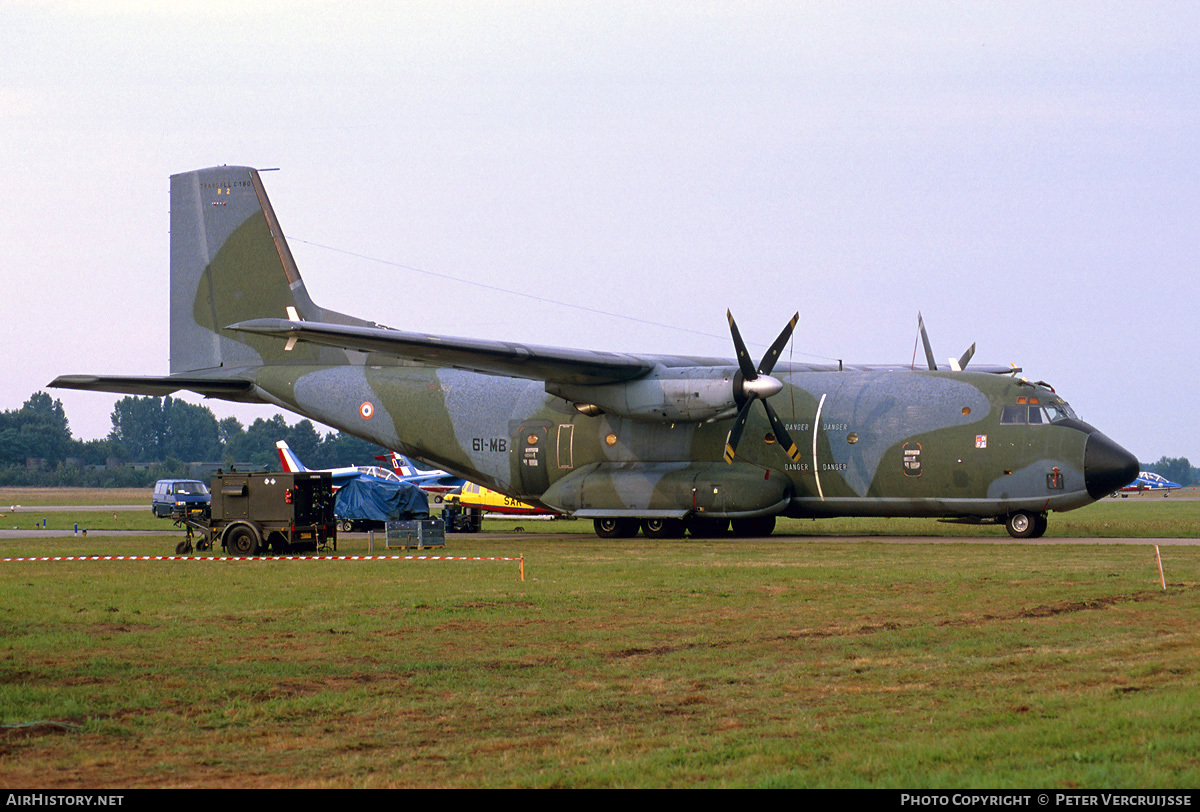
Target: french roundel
x=366, y=410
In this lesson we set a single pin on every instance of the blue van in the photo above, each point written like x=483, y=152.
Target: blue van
x=180, y=496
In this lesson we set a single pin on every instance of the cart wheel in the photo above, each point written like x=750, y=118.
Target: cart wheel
x=183, y=548
x=204, y=544
x=242, y=542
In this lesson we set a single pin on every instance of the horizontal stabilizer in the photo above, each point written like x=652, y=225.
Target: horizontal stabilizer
x=225, y=389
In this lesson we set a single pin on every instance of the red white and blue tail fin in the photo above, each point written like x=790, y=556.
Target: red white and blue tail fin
x=291, y=463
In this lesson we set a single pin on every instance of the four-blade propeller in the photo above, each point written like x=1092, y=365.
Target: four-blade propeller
x=751, y=384
x=956, y=365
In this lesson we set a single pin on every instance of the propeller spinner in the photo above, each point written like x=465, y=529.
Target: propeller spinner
x=751, y=384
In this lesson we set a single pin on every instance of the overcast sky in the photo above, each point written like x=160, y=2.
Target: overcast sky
x=1025, y=174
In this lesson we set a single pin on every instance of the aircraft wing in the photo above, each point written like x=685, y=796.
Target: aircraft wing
x=490, y=357
x=557, y=364
x=224, y=388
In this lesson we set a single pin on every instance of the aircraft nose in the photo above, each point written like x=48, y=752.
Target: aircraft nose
x=1106, y=466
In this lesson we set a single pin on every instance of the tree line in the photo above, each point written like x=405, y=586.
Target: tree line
x=155, y=438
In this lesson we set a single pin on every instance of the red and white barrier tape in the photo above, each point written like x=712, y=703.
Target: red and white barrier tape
x=262, y=558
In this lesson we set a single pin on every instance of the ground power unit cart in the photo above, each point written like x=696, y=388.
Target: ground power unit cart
x=253, y=514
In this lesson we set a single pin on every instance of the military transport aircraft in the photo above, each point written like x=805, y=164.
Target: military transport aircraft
x=661, y=443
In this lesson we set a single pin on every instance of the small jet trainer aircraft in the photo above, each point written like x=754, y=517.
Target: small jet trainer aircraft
x=660, y=443
x=430, y=480
x=338, y=476
x=1150, y=481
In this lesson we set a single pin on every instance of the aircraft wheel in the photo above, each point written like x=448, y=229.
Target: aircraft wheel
x=242, y=541
x=758, y=526
x=663, y=528
x=1022, y=525
x=615, y=528
x=344, y=525
x=702, y=527
x=1040, y=522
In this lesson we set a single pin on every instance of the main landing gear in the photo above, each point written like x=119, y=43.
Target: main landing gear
x=1026, y=525
x=696, y=526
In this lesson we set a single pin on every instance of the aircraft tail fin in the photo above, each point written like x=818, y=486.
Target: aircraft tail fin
x=395, y=462
x=291, y=463
x=230, y=262
x=406, y=467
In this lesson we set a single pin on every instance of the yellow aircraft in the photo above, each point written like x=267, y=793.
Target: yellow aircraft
x=489, y=501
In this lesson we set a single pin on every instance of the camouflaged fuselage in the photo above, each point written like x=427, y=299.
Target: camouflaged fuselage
x=883, y=443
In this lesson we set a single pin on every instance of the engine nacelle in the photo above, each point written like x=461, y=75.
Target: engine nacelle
x=691, y=394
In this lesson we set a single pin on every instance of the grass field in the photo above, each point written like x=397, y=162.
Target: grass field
x=75, y=496
x=795, y=662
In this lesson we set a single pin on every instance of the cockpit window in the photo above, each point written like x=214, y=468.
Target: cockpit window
x=1028, y=410
x=1012, y=415
x=1056, y=412
x=1066, y=409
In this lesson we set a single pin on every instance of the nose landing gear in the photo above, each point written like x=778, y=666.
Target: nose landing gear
x=1026, y=525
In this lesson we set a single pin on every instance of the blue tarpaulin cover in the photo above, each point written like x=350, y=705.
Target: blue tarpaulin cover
x=380, y=500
